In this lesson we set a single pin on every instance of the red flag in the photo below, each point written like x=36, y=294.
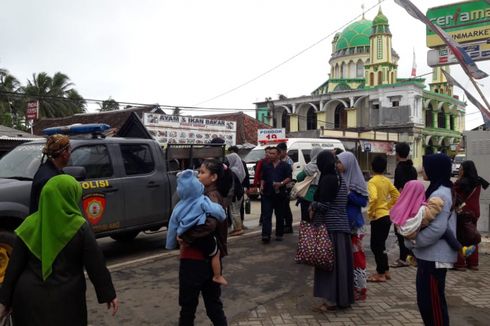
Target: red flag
x=484, y=112
x=468, y=65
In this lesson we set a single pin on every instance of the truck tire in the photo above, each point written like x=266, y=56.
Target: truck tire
x=7, y=240
x=125, y=236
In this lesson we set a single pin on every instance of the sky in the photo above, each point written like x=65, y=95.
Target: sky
x=188, y=52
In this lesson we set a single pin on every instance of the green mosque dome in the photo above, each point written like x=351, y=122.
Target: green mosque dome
x=356, y=34
x=380, y=19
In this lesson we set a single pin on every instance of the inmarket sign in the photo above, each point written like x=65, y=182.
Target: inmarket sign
x=467, y=21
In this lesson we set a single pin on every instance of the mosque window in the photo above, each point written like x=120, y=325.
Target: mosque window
x=429, y=118
x=441, y=119
x=360, y=69
x=379, y=45
x=311, y=119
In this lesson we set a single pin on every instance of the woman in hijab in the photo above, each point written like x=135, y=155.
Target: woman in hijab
x=236, y=166
x=357, y=198
x=434, y=255
x=45, y=283
x=468, y=188
x=329, y=208
x=310, y=169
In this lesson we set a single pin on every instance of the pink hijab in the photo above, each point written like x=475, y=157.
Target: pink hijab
x=408, y=204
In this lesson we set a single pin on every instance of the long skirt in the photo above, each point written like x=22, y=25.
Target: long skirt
x=337, y=286
x=359, y=265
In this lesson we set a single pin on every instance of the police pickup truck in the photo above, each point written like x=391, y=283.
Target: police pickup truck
x=129, y=185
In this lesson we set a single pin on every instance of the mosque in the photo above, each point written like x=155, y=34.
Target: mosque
x=366, y=105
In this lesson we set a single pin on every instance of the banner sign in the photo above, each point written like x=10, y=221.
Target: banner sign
x=465, y=21
x=444, y=56
x=176, y=129
x=270, y=135
x=32, y=111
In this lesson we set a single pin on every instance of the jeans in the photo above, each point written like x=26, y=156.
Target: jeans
x=271, y=204
x=195, y=277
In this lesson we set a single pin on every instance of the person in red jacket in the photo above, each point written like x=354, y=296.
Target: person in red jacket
x=467, y=189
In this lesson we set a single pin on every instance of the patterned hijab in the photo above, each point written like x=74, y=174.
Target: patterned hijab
x=354, y=179
x=58, y=219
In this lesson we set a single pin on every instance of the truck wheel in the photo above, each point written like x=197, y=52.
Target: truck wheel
x=125, y=236
x=7, y=240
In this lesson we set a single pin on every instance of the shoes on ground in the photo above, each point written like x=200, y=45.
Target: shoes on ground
x=288, y=229
x=473, y=268
x=278, y=238
x=459, y=269
x=399, y=263
x=266, y=240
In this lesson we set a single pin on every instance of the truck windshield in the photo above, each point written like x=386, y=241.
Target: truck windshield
x=22, y=162
x=254, y=155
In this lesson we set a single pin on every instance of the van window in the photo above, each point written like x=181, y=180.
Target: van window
x=293, y=154
x=137, y=159
x=307, y=155
x=95, y=159
x=254, y=155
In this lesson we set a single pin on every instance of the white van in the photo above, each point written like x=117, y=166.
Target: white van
x=299, y=150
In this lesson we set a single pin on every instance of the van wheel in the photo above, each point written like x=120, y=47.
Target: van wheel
x=125, y=236
x=7, y=240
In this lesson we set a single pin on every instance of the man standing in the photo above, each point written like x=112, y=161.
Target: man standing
x=57, y=150
x=404, y=172
x=288, y=215
x=275, y=175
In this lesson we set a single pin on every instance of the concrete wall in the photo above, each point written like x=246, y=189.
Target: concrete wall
x=478, y=150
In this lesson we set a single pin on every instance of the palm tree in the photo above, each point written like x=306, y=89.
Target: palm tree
x=56, y=96
x=109, y=105
x=9, y=86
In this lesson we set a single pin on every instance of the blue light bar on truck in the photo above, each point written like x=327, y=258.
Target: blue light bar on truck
x=77, y=129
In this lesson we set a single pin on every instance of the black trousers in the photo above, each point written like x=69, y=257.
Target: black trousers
x=404, y=251
x=195, y=277
x=288, y=215
x=431, y=297
x=273, y=204
x=380, y=229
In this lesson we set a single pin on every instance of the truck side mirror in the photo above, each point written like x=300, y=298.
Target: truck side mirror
x=78, y=172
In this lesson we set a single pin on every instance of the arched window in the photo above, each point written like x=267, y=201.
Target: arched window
x=451, y=122
x=371, y=79
x=429, y=118
x=311, y=119
x=441, y=119
x=337, y=71
x=343, y=70
x=352, y=69
x=380, y=77
x=340, y=117
x=360, y=69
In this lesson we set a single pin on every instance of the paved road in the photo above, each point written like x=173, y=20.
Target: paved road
x=268, y=288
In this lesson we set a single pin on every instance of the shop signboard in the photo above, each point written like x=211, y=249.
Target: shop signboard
x=467, y=21
x=174, y=129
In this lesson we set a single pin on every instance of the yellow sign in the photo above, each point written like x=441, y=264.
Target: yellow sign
x=94, y=184
x=461, y=36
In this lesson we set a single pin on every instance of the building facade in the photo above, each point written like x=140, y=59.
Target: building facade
x=366, y=105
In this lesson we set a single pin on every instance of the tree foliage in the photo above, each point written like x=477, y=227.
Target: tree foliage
x=109, y=105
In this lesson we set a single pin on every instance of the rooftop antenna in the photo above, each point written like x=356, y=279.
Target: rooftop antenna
x=363, y=11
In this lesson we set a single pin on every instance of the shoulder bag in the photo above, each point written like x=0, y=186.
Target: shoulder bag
x=315, y=247
x=466, y=230
x=301, y=188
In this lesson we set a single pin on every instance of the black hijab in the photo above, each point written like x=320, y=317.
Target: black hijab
x=329, y=183
x=470, y=178
x=437, y=167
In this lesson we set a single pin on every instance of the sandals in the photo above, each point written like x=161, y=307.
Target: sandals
x=324, y=308
x=376, y=278
x=399, y=263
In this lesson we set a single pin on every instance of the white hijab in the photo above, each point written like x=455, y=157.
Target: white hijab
x=236, y=165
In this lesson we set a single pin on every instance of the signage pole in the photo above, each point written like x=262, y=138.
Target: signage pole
x=480, y=92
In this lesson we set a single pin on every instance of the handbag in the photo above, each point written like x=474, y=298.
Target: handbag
x=301, y=188
x=315, y=247
x=467, y=231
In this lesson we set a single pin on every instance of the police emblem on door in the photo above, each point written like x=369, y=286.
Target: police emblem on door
x=94, y=207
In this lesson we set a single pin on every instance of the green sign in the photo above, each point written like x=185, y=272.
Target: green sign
x=467, y=21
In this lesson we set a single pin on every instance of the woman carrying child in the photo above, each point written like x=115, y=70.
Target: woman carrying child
x=434, y=255
x=198, y=273
x=412, y=213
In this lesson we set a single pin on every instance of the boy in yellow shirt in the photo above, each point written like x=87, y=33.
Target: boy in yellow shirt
x=382, y=196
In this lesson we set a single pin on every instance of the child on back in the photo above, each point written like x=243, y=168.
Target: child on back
x=194, y=209
x=411, y=213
